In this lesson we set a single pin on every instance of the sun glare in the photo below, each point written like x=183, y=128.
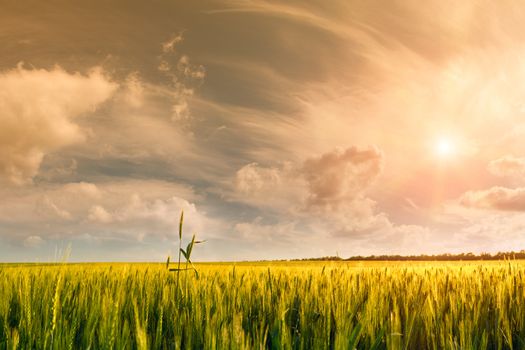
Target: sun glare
x=444, y=147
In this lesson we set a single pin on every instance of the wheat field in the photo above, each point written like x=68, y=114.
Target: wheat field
x=281, y=305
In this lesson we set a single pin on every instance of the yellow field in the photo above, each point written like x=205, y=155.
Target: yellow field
x=299, y=305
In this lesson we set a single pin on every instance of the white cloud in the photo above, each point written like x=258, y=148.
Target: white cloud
x=126, y=209
x=37, y=111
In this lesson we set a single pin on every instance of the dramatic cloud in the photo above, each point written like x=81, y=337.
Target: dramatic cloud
x=243, y=112
x=325, y=180
x=328, y=191
x=37, y=111
x=340, y=176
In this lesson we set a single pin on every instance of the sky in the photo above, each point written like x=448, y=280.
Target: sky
x=283, y=130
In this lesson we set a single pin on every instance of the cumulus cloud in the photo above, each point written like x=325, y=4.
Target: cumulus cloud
x=498, y=198
x=328, y=191
x=126, y=209
x=135, y=215
x=340, y=176
x=323, y=181
x=357, y=218
x=507, y=166
x=278, y=188
x=253, y=178
x=37, y=111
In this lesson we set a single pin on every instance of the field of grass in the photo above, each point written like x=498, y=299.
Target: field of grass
x=297, y=305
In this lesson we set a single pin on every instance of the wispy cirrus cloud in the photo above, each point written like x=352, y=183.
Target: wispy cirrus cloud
x=253, y=105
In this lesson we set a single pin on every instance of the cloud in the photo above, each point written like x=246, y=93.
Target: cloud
x=273, y=94
x=497, y=198
x=127, y=209
x=134, y=94
x=324, y=198
x=37, y=111
x=84, y=189
x=151, y=111
x=45, y=206
x=183, y=76
x=323, y=181
x=507, y=166
x=279, y=188
x=252, y=178
x=327, y=191
x=495, y=232
x=486, y=230
x=358, y=218
x=97, y=213
x=33, y=241
x=340, y=176
x=170, y=44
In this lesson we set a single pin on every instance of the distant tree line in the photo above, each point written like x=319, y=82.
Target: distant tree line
x=424, y=257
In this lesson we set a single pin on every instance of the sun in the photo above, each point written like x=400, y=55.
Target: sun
x=444, y=147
